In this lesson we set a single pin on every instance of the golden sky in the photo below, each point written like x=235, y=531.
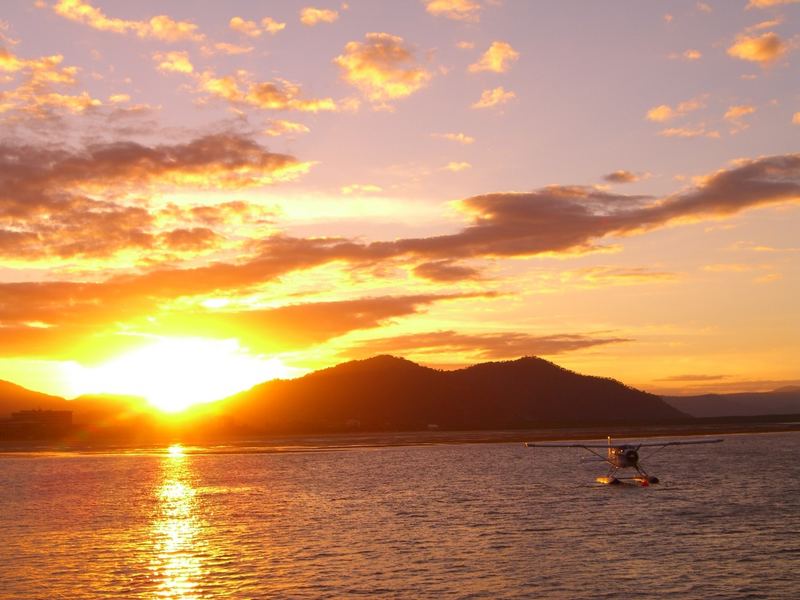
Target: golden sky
x=225, y=192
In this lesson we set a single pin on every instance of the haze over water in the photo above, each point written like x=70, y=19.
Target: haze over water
x=460, y=521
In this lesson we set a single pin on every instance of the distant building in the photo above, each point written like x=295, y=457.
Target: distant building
x=36, y=425
x=61, y=418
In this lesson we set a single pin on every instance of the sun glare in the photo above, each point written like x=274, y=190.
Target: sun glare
x=175, y=373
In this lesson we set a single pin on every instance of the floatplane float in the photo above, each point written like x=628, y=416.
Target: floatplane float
x=622, y=456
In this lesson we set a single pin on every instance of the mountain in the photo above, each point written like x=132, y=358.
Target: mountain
x=389, y=393
x=14, y=397
x=784, y=401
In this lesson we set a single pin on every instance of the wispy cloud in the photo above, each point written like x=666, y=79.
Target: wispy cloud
x=459, y=10
x=311, y=16
x=160, y=27
x=498, y=59
x=665, y=112
x=494, y=97
x=495, y=346
x=460, y=138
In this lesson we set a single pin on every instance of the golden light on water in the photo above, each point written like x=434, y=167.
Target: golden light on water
x=176, y=562
x=175, y=450
x=175, y=373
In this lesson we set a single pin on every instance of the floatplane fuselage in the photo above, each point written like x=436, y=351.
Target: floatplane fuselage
x=622, y=456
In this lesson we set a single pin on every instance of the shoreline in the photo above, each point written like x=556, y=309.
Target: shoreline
x=355, y=441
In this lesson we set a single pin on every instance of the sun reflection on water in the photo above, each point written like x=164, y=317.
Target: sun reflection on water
x=176, y=563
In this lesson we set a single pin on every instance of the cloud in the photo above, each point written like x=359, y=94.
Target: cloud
x=226, y=48
x=690, y=55
x=764, y=49
x=445, y=271
x=735, y=116
x=311, y=16
x=497, y=58
x=252, y=29
x=796, y=118
x=42, y=188
x=282, y=127
x=459, y=10
x=693, y=377
x=241, y=89
x=42, y=90
x=160, y=27
x=621, y=275
x=693, y=131
x=494, y=97
x=383, y=67
x=664, y=112
x=455, y=167
x=175, y=62
x=461, y=138
x=248, y=28
x=361, y=189
x=623, y=176
x=96, y=312
x=272, y=26
x=769, y=3
x=492, y=346
x=62, y=203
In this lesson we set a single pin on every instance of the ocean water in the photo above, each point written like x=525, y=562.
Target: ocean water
x=445, y=521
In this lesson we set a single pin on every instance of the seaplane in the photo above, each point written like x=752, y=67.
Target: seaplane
x=623, y=456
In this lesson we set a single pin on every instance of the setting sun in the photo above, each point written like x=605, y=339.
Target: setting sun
x=175, y=373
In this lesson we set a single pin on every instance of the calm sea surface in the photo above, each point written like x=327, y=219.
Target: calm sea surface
x=448, y=521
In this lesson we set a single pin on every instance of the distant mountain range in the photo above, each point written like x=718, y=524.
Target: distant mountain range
x=386, y=393
x=783, y=401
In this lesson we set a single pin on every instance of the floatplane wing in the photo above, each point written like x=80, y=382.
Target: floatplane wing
x=677, y=443
x=605, y=446
x=622, y=456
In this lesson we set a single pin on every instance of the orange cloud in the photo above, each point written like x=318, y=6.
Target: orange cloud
x=37, y=95
x=491, y=346
x=160, y=27
x=735, y=114
x=623, y=176
x=177, y=62
x=664, y=112
x=690, y=55
x=252, y=29
x=383, y=68
x=459, y=10
x=282, y=127
x=311, y=16
x=461, y=138
x=494, y=97
x=226, y=48
x=455, y=167
x=361, y=189
x=603, y=276
x=689, y=132
x=445, y=271
x=271, y=26
x=764, y=49
x=249, y=28
x=768, y=3
x=272, y=95
x=57, y=203
x=497, y=58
